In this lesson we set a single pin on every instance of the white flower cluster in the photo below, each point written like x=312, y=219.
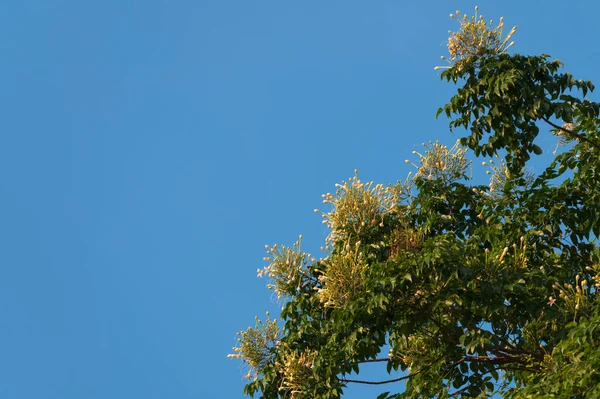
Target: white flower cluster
x=297, y=370
x=476, y=37
x=286, y=268
x=256, y=346
x=499, y=174
x=411, y=349
x=356, y=206
x=441, y=163
x=575, y=296
x=343, y=278
x=514, y=255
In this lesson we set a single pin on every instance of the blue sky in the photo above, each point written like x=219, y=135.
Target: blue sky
x=150, y=149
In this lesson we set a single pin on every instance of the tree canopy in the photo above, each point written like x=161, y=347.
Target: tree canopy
x=457, y=289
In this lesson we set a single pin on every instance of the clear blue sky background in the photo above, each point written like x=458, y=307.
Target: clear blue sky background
x=150, y=149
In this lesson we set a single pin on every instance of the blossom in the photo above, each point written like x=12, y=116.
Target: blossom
x=476, y=37
x=255, y=346
x=286, y=268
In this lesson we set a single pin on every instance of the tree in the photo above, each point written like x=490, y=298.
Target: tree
x=468, y=290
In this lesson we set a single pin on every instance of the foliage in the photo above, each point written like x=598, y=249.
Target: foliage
x=458, y=289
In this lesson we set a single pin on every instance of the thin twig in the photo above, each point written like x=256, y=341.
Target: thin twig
x=385, y=359
x=395, y=379
x=572, y=133
x=380, y=382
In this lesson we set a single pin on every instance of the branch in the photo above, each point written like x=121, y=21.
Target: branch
x=571, y=133
x=517, y=353
x=395, y=379
x=504, y=363
x=381, y=382
x=385, y=359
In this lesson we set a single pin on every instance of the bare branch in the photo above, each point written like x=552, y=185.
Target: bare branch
x=381, y=382
x=385, y=359
x=395, y=379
